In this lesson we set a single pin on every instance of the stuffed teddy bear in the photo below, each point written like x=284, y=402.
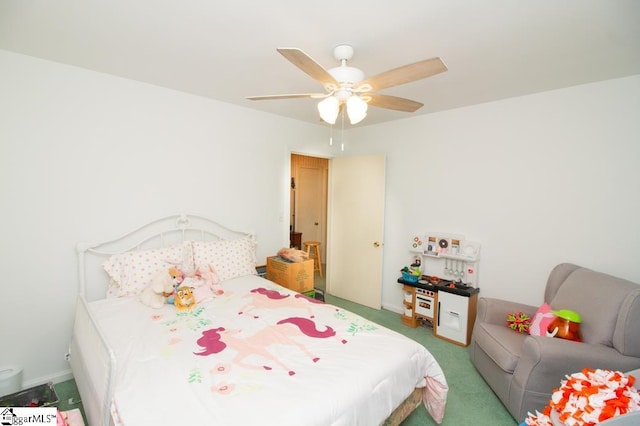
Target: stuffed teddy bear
x=178, y=278
x=162, y=286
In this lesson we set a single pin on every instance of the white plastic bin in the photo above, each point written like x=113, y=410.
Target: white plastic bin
x=10, y=379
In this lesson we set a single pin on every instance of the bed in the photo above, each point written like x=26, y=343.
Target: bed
x=252, y=352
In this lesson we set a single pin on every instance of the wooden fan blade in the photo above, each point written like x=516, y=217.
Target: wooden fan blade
x=303, y=61
x=405, y=74
x=393, y=102
x=289, y=96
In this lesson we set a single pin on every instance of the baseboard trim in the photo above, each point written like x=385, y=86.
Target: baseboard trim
x=61, y=376
x=393, y=308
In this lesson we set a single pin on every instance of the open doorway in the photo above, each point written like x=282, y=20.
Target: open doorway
x=308, y=210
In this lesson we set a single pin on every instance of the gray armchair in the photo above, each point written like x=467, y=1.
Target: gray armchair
x=523, y=370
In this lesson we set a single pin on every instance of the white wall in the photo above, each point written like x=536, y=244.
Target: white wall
x=86, y=156
x=538, y=180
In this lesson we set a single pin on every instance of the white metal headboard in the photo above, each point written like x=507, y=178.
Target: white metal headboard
x=93, y=280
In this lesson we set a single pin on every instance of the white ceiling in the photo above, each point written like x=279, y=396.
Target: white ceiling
x=226, y=50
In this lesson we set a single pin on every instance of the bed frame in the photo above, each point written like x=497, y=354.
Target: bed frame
x=95, y=385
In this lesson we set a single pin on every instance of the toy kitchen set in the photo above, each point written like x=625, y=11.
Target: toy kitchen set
x=441, y=285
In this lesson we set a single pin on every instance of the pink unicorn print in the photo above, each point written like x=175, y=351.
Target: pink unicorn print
x=262, y=298
x=216, y=340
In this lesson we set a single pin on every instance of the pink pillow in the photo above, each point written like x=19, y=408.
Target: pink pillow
x=541, y=320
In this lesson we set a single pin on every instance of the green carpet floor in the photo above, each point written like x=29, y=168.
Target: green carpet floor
x=470, y=400
x=69, y=397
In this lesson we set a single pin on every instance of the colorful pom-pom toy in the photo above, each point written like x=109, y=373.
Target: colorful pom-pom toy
x=519, y=322
x=588, y=398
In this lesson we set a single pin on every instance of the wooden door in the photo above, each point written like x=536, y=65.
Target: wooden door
x=356, y=228
x=310, y=175
x=310, y=202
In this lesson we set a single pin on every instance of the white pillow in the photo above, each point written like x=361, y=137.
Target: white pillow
x=229, y=258
x=132, y=272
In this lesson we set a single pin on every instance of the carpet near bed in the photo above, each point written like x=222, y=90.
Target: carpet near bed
x=470, y=400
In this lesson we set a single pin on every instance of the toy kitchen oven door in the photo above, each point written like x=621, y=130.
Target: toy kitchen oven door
x=425, y=303
x=449, y=257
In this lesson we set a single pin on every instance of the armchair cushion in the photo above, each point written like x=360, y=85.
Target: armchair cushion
x=545, y=361
x=584, y=291
x=501, y=344
x=494, y=311
x=625, y=336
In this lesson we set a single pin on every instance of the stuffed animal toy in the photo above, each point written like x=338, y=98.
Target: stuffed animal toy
x=209, y=277
x=178, y=278
x=566, y=325
x=184, y=300
x=161, y=287
x=205, y=284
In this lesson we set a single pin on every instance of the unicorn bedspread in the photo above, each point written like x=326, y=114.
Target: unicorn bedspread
x=260, y=354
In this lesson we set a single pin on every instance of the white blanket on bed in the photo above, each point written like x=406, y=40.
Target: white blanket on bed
x=260, y=354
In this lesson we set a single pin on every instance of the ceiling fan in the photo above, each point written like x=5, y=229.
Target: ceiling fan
x=346, y=85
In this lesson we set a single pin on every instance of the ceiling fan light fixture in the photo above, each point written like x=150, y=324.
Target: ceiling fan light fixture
x=356, y=109
x=345, y=86
x=329, y=108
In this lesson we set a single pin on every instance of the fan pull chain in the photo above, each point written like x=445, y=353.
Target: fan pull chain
x=331, y=135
